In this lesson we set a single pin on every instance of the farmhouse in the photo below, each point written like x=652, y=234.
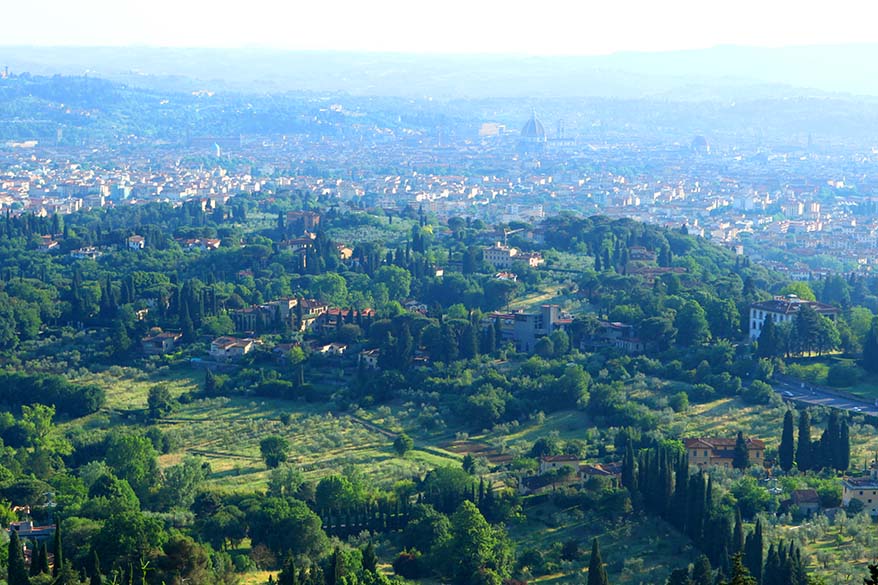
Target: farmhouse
x=160, y=342
x=230, y=348
x=863, y=489
x=719, y=452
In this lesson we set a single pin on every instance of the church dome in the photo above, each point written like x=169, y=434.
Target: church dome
x=533, y=128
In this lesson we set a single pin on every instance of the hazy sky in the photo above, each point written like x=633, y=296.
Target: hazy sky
x=446, y=26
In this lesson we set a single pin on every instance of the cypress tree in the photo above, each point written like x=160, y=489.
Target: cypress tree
x=768, y=343
x=370, y=560
x=753, y=553
x=870, y=348
x=803, y=450
x=738, y=534
x=57, y=549
x=740, y=574
x=597, y=573
x=741, y=457
x=786, y=451
x=44, y=558
x=844, y=447
x=16, y=572
x=209, y=383
x=186, y=325
x=95, y=578
x=629, y=478
x=35, y=561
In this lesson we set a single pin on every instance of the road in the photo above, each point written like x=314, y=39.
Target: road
x=819, y=396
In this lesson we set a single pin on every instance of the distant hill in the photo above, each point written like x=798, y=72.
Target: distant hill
x=726, y=72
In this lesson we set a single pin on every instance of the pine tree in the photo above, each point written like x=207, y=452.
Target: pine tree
x=786, y=451
x=16, y=572
x=803, y=449
x=597, y=573
x=741, y=456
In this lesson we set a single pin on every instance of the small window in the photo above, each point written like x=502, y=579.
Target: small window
x=705, y=453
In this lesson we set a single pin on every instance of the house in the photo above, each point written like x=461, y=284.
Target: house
x=344, y=252
x=160, y=342
x=609, y=470
x=719, y=452
x=552, y=462
x=281, y=351
x=614, y=334
x=641, y=254
x=503, y=256
x=369, y=358
x=89, y=252
x=26, y=530
x=807, y=500
x=230, y=348
x=529, y=327
x=203, y=244
x=327, y=321
x=784, y=309
x=864, y=489
x=334, y=349
x=136, y=242
x=47, y=243
x=301, y=221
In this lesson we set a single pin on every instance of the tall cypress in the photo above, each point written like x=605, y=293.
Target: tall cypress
x=629, y=478
x=597, y=573
x=844, y=447
x=58, y=550
x=754, y=552
x=803, y=451
x=738, y=534
x=16, y=572
x=44, y=558
x=740, y=457
x=35, y=562
x=95, y=577
x=786, y=451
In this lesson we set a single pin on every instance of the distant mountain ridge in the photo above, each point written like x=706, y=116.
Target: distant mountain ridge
x=725, y=72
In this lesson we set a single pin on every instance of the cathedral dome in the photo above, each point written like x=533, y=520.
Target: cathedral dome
x=533, y=129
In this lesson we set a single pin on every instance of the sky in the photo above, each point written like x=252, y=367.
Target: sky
x=544, y=27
